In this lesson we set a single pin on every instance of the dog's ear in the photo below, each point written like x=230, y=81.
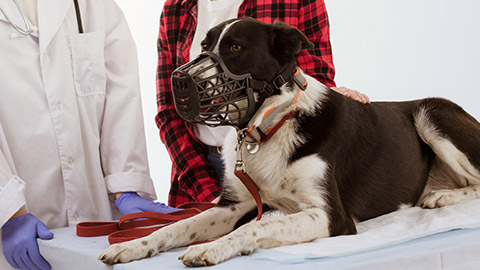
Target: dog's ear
x=287, y=40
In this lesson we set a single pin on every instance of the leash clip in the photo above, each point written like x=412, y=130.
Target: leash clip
x=239, y=164
x=243, y=176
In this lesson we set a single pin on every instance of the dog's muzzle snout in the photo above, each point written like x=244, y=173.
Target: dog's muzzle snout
x=206, y=92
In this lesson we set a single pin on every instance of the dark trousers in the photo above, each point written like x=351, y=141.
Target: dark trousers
x=214, y=157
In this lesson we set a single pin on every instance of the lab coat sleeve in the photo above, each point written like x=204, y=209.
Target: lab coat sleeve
x=122, y=141
x=12, y=188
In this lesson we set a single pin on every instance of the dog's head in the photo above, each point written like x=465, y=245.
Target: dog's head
x=239, y=68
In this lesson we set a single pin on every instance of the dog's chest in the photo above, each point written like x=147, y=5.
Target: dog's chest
x=270, y=162
x=289, y=186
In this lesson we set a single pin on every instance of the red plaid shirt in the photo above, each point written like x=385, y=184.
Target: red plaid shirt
x=192, y=178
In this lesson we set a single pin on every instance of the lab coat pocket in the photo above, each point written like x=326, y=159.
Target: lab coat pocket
x=88, y=63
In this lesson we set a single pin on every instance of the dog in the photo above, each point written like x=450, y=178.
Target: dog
x=331, y=163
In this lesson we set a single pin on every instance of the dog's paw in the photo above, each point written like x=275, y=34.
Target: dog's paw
x=440, y=198
x=201, y=255
x=126, y=252
x=208, y=254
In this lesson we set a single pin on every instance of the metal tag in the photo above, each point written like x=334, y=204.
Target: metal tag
x=252, y=148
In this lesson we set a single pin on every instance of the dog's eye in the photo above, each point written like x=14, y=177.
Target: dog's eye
x=204, y=47
x=235, y=48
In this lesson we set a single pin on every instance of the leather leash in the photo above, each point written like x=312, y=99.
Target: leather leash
x=138, y=225
x=252, y=188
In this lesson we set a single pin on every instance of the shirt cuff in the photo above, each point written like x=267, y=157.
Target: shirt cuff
x=12, y=198
x=131, y=182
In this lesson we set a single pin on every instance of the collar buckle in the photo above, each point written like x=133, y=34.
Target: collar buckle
x=278, y=82
x=299, y=80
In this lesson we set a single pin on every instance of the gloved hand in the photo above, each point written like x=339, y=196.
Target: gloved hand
x=131, y=202
x=19, y=242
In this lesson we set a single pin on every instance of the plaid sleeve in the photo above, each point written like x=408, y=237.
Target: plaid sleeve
x=310, y=17
x=191, y=173
x=313, y=22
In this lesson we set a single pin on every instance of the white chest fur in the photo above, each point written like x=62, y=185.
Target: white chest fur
x=287, y=186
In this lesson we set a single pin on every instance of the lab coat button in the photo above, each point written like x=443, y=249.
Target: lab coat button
x=59, y=106
x=69, y=162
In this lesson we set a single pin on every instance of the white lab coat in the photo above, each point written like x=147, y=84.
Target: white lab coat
x=71, y=125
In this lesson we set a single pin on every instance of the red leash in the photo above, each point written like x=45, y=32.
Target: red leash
x=252, y=188
x=138, y=225
x=141, y=224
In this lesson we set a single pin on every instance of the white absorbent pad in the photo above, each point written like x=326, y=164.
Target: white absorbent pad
x=386, y=230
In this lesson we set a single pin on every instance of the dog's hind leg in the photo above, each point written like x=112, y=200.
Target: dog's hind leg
x=446, y=187
x=212, y=223
x=454, y=137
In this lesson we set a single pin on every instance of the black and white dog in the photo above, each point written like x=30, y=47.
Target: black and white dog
x=331, y=163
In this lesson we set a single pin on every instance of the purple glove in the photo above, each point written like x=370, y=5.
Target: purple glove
x=19, y=242
x=131, y=202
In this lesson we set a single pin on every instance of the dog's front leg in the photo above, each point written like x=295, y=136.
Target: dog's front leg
x=212, y=223
x=301, y=227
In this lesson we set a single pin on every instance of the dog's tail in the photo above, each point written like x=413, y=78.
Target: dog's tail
x=453, y=135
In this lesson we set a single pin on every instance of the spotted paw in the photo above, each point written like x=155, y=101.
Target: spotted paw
x=440, y=198
x=126, y=252
x=207, y=254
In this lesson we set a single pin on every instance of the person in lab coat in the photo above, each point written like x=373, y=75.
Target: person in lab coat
x=72, y=142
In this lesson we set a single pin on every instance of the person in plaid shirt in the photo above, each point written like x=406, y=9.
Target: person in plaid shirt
x=195, y=168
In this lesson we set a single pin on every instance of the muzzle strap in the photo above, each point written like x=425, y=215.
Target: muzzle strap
x=281, y=79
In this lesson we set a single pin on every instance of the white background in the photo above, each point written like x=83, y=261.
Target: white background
x=390, y=50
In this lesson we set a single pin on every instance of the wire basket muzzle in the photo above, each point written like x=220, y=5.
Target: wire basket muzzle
x=206, y=92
